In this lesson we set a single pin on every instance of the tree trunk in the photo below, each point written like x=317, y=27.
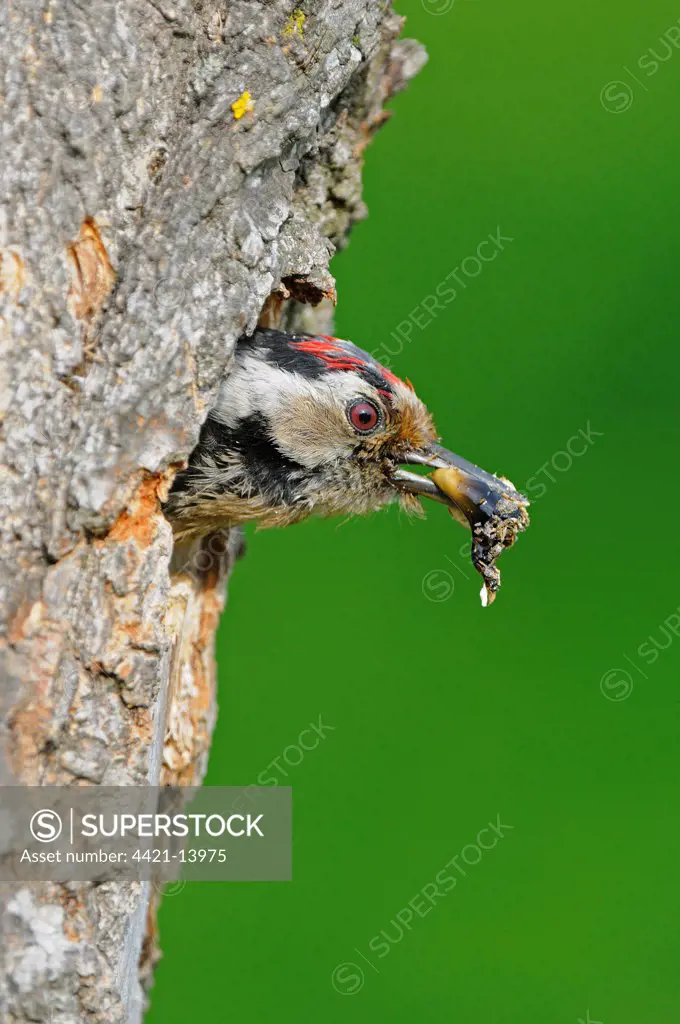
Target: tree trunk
x=173, y=172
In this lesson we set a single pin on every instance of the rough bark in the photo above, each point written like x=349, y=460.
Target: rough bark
x=150, y=208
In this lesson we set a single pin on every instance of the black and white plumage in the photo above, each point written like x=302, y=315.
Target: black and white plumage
x=280, y=443
x=309, y=424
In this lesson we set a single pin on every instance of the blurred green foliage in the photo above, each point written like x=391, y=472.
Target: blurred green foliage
x=555, y=709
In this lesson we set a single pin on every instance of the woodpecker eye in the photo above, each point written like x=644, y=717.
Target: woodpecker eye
x=363, y=416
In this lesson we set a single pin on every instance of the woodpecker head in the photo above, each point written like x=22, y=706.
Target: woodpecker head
x=307, y=424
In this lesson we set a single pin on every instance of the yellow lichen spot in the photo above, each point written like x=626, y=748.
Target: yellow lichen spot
x=295, y=23
x=97, y=95
x=243, y=105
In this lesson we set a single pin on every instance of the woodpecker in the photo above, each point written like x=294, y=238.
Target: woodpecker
x=309, y=424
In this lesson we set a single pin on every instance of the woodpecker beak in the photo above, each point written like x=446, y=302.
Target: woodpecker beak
x=470, y=491
x=490, y=506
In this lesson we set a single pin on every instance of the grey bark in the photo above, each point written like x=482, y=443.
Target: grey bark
x=149, y=210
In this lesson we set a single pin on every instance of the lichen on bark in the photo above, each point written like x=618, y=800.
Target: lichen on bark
x=150, y=215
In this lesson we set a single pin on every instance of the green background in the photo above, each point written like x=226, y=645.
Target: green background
x=445, y=715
